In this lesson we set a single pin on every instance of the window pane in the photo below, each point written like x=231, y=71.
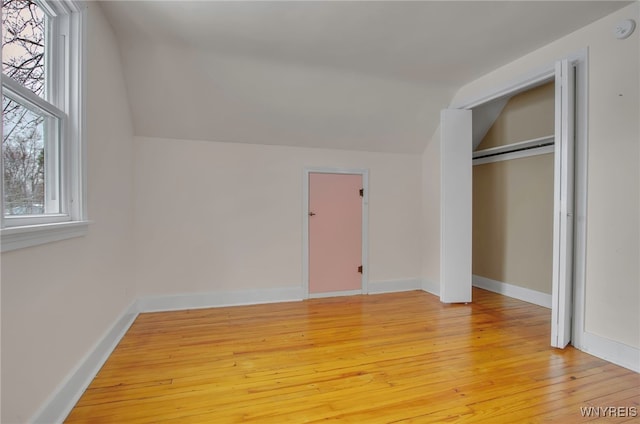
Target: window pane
x=23, y=52
x=30, y=162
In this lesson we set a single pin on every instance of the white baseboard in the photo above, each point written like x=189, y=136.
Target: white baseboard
x=612, y=351
x=393, y=286
x=63, y=399
x=56, y=408
x=176, y=302
x=65, y=396
x=334, y=294
x=521, y=293
x=431, y=287
x=609, y=350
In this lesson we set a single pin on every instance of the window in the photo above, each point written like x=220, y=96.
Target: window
x=42, y=133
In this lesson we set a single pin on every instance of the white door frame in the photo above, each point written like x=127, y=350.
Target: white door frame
x=305, y=225
x=534, y=78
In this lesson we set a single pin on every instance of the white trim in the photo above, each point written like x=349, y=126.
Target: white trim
x=394, y=286
x=431, y=287
x=64, y=397
x=537, y=151
x=177, y=302
x=615, y=352
x=28, y=99
x=526, y=82
x=61, y=8
x=581, y=156
x=305, y=221
x=60, y=403
x=12, y=221
x=335, y=294
x=514, y=291
x=13, y=238
x=76, y=160
x=532, y=79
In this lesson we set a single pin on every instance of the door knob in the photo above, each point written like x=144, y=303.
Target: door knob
x=311, y=214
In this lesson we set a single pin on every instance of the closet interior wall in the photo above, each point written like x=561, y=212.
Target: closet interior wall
x=513, y=198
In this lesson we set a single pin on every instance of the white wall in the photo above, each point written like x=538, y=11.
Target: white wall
x=58, y=299
x=613, y=234
x=222, y=216
x=253, y=100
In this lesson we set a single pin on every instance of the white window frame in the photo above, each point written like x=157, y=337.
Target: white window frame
x=65, y=81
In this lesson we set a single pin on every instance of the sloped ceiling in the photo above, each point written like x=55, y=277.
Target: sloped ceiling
x=348, y=75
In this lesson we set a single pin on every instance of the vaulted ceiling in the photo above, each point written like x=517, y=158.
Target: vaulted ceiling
x=334, y=74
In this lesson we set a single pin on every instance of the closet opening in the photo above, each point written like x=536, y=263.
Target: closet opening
x=513, y=194
x=461, y=133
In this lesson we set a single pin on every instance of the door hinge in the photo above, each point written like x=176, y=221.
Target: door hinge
x=361, y=192
x=360, y=269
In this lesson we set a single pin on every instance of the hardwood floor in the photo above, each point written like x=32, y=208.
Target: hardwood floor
x=401, y=357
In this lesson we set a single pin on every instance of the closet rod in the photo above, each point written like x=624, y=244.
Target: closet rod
x=515, y=147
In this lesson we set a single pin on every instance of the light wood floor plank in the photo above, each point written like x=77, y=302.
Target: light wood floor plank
x=399, y=357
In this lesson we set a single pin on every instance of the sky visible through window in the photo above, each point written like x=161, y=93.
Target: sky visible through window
x=23, y=53
x=23, y=146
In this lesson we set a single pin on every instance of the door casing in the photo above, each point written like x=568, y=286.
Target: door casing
x=305, y=222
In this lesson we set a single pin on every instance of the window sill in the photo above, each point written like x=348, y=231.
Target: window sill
x=14, y=238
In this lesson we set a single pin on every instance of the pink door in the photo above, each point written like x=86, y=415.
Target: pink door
x=335, y=232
